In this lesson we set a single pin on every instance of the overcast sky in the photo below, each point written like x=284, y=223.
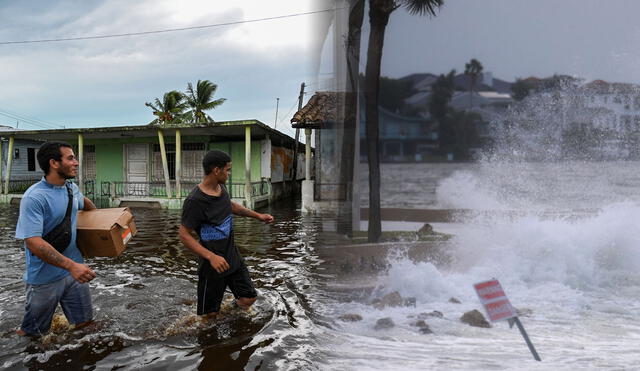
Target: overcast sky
x=106, y=82
x=593, y=39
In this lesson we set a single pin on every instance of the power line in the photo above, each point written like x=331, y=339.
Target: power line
x=29, y=118
x=286, y=115
x=30, y=121
x=165, y=30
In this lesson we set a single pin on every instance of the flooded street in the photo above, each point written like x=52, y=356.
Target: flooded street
x=145, y=302
x=572, y=272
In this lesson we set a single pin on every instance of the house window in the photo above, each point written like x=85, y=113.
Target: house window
x=158, y=172
x=89, y=162
x=191, y=169
x=16, y=154
x=31, y=159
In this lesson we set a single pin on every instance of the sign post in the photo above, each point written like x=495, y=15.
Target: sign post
x=499, y=308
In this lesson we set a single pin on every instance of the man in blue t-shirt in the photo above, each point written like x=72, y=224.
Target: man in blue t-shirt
x=54, y=275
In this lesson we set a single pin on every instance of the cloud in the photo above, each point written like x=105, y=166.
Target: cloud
x=107, y=81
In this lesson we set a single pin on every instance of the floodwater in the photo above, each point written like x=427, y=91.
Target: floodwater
x=144, y=303
x=568, y=260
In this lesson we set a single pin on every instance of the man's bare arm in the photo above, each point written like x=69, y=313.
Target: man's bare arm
x=217, y=262
x=43, y=250
x=240, y=210
x=88, y=205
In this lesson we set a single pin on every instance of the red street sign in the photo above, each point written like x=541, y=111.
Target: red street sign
x=494, y=300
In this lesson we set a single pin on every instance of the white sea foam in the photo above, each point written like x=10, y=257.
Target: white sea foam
x=577, y=273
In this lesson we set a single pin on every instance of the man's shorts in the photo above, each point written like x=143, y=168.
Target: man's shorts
x=211, y=289
x=42, y=301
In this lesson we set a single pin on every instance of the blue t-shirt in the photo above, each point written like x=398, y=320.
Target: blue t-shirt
x=42, y=207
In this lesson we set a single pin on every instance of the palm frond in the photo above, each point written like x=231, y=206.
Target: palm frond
x=423, y=7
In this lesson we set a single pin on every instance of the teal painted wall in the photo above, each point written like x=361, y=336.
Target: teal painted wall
x=109, y=162
x=237, y=157
x=110, y=156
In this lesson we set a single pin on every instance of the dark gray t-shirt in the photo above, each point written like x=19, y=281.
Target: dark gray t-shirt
x=211, y=218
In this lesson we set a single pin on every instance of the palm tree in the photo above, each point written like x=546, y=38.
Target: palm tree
x=350, y=134
x=472, y=69
x=379, y=12
x=200, y=100
x=170, y=110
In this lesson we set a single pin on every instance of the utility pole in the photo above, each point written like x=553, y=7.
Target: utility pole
x=275, y=123
x=295, y=151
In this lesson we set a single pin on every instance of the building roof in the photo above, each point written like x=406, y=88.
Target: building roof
x=494, y=95
x=6, y=128
x=323, y=107
x=222, y=129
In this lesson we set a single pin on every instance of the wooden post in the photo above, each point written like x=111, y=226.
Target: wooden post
x=80, y=162
x=178, y=163
x=165, y=166
x=297, y=139
x=247, y=166
x=9, y=163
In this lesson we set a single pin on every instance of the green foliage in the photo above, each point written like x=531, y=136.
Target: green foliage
x=473, y=69
x=520, y=89
x=459, y=134
x=441, y=92
x=393, y=92
x=423, y=7
x=201, y=99
x=172, y=109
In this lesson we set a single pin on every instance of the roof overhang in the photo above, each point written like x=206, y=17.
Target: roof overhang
x=225, y=129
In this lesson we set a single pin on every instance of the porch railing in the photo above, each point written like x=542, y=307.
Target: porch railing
x=21, y=185
x=158, y=189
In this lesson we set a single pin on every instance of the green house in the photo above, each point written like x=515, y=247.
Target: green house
x=157, y=166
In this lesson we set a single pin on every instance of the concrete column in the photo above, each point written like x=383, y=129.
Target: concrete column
x=9, y=163
x=355, y=185
x=1, y=164
x=308, y=204
x=247, y=166
x=165, y=166
x=80, y=162
x=307, y=154
x=178, y=163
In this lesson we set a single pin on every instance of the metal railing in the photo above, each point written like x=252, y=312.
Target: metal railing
x=21, y=185
x=158, y=189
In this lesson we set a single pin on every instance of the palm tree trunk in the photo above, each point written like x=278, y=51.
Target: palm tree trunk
x=345, y=212
x=470, y=92
x=379, y=11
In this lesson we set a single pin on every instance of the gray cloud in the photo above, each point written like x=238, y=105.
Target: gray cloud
x=107, y=81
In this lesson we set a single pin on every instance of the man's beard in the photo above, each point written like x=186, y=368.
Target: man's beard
x=65, y=176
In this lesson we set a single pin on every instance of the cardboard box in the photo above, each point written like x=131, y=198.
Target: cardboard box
x=105, y=232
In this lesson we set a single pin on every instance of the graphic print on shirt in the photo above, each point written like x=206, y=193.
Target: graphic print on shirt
x=210, y=232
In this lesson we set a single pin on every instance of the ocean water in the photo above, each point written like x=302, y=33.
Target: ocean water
x=569, y=260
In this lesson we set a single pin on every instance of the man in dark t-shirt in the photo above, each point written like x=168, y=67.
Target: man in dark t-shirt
x=208, y=211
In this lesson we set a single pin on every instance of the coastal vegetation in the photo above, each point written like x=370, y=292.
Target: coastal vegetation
x=189, y=107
